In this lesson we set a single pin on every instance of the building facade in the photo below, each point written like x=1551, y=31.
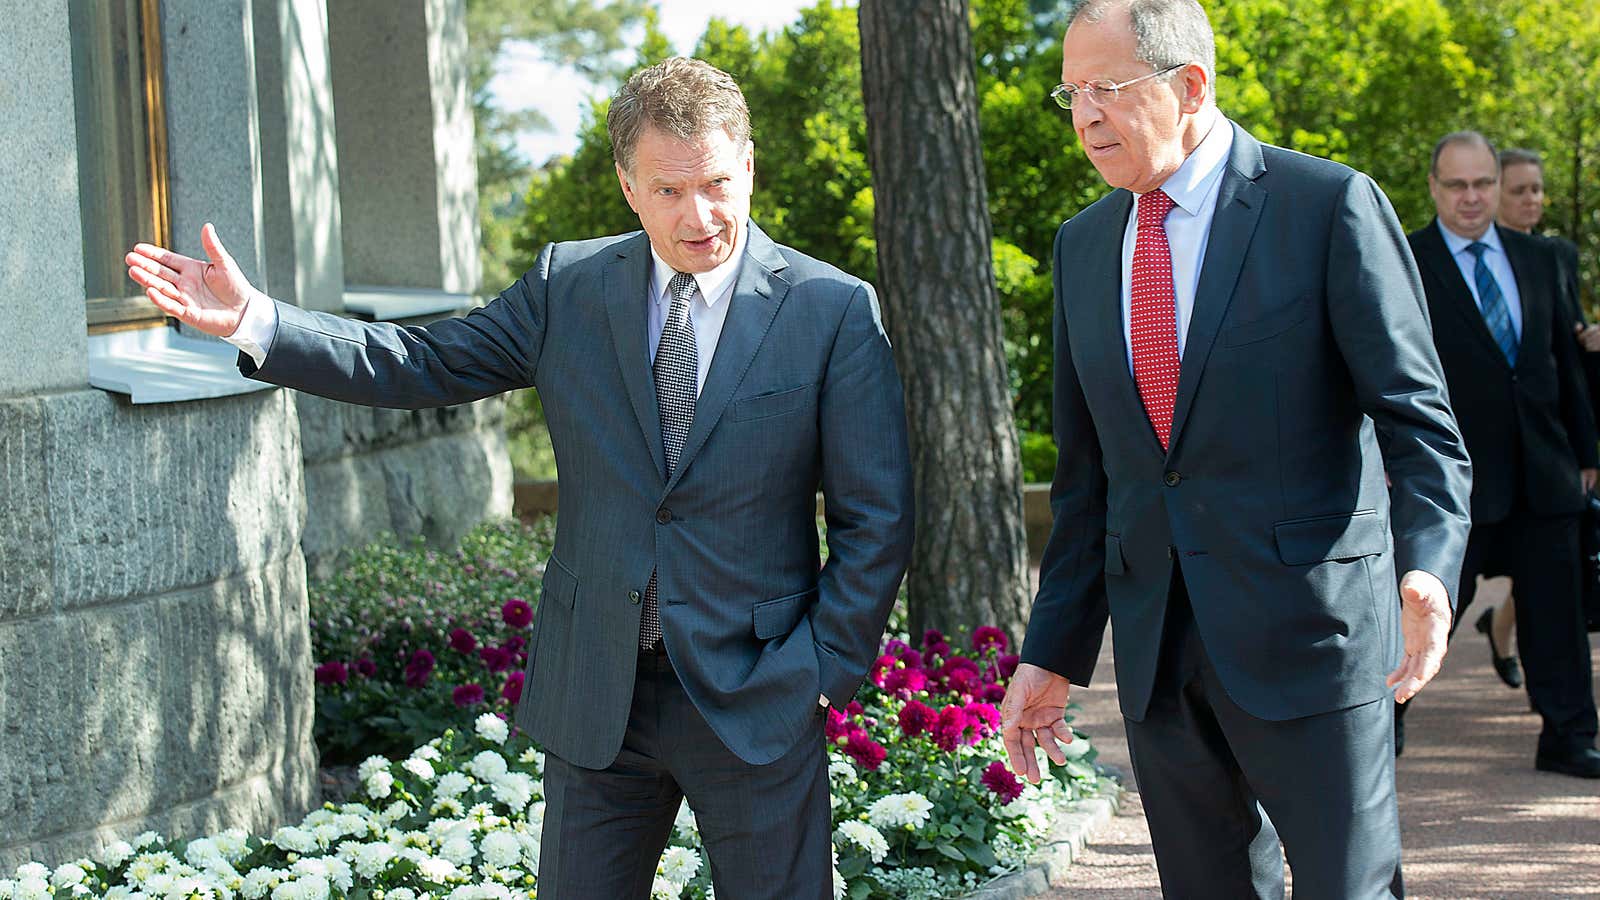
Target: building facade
x=158, y=513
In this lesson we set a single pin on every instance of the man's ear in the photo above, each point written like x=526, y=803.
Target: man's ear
x=1196, y=88
x=627, y=189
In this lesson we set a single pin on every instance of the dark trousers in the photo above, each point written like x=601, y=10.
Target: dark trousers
x=766, y=829
x=1222, y=788
x=1541, y=556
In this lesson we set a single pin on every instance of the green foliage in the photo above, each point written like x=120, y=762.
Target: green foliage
x=1038, y=457
x=389, y=602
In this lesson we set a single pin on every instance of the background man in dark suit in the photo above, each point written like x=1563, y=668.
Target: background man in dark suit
x=1234, y=328
x=700, y=382
x=1496, y=298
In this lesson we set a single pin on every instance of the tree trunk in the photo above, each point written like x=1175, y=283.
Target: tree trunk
x=970, y=565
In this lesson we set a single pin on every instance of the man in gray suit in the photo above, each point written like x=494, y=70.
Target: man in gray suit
x=701, y=383
x=1242, y=350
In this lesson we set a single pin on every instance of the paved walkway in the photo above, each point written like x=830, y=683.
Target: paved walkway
x=1476, y=819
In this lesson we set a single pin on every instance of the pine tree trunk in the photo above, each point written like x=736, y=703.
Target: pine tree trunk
x=970, y=564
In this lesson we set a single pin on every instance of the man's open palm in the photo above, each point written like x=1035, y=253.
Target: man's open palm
x=1032, y=715
x=206, y=294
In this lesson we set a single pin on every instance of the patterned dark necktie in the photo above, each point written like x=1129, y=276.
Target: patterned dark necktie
x=676, y=370
x=1492, y=303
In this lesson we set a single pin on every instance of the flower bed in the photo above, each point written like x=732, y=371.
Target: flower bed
x=922, y=805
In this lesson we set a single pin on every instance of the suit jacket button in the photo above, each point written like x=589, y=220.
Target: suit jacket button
x=663, y=515
x=1173, y=478
x=633, y=597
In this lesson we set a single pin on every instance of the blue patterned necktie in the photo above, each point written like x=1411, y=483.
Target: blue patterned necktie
x=1493, y=304
x=676, y=371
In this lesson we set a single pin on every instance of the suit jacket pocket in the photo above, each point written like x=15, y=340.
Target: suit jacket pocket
x=1269, y=326
x=777, y=617
x=1306, y=541
x=774, y=403
x=1115, y=565
x=560, y=584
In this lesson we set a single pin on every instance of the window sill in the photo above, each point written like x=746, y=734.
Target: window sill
x=389, y=304
x=161, y=365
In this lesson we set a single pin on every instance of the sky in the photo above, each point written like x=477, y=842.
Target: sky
x=562, y=95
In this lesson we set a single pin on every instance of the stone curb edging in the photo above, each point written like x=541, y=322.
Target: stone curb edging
x=1048, y=869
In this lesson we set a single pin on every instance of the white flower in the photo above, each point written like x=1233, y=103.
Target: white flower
x=530, y=849
x=32, y=870
x=232, y=844
x=32, y=888
x=401, y=894
x=380, y=784
x=487, y=765
x=446, y=806
x=492, y=728
x=289, y=890
x=145, y=839
x=202, y=852
x=451, y=784
x=514, y=789
x=535, y=816
x=866, y=837
x=258, y=882
x=371, y=859
x=678, y=865
x=1078, y=749
x=189, y=888
x=841, y=770
x=294, y=840
x=120, y=892
x=394, y=812
x=68, y=875
x=458, y=850
x=532, y=755
x=8, y=887
x=116, y=853
x=684, y=824
x=419, y=767
x=662, y=889
x=501, y=849
x=372, y=766
x=436, y=870
x=897, y=810
x=428, y=752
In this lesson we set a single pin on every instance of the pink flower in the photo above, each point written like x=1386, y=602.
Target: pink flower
x=515, y=643
x=867, y=753
x=950, y=731
x=940, y=649
x=1008, y=663
x=905, y=682
x=932, y=636
x=1001, y=782
x=366, y=667
x=912, y=659
x=419, y=668
x=517, y=613
x=959, y=662
x=332, y=672
x=512, y=690
x=985, y=719
x=837, y=725
x=895, y=647
x=916, y=717
x=854, y=708
x=987, y=636
x=497, y=659
x=462, y=641
x=962, y=681
x=880, y=667
x=467, y=695
x=992, y=693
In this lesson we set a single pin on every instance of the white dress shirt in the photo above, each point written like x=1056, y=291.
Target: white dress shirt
x=1194, y=189
x=1499, y=267
x=708, y=310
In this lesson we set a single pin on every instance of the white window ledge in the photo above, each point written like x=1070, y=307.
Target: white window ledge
x=160, y=365
x=388, y=304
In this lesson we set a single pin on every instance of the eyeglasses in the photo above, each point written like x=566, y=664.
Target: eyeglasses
x=1101, y=93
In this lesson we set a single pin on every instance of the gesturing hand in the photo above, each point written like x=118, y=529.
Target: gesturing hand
x=1425, y=621
x=208, y=295
x=1032, y=714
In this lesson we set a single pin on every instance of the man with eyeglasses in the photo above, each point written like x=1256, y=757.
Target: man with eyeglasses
x=1496, y=299
x=1235, y=326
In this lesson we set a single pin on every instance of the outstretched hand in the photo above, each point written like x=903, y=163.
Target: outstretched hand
x=1033, y=715
x=206, y=294
x=1425, y=621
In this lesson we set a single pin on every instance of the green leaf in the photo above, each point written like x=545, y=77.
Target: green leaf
x=951, y=852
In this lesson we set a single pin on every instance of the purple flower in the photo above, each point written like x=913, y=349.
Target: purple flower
x=497, y=659
x=512, y=690
x=1008, y=663
x=904, y=682
x=366, y=667
x=932, y=636
x=467, y=695
x=837, y=725
x=517, y=613
x=992, y=693
x=867, y=753
x=962, y=681
x=514, y=644
x=989, y=636
x=462, y=641
x=940, y=649
x=881, y=666
x=419, y=668
x=912, y=659
x=916, y=717
x=1001, y=782
x=332, y=672
x=985, y=719
x=949, y=731
x=895, y=647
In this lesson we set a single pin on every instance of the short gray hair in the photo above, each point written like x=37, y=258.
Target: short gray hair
x=1517, y=156
x=686, y=98
x=1165, y=32
x=1469, y=137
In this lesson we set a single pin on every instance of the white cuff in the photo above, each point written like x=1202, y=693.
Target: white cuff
x=257, y=328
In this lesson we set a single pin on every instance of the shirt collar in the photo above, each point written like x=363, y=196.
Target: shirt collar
x=1459, y=244
x=1189, y=186
x=711, y=283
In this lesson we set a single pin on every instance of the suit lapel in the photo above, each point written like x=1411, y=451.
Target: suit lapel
x=756, y=297
x=1098, y=273
x=1436, y=257
x=1239, y=202
x=626, y=283
x=1522, y=269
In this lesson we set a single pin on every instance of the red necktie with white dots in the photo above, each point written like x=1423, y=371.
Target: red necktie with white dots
x=1153, y=316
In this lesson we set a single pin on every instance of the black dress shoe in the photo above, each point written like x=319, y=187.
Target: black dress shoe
x=1581, y=763
x=1507, y=667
